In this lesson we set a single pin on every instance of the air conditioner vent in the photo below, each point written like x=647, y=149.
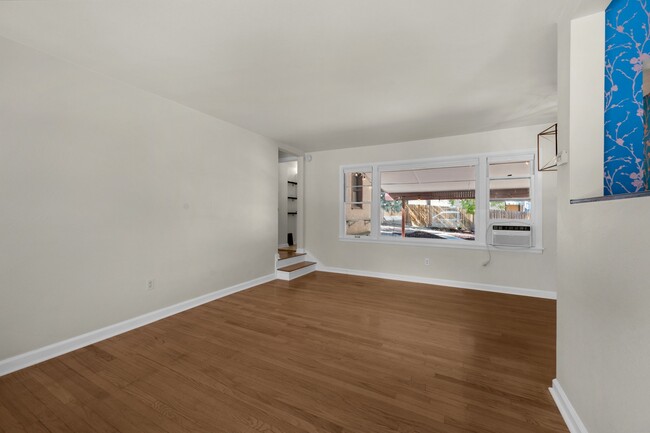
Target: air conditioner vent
x=512, y=235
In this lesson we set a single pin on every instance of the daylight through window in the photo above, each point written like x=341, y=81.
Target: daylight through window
x=358, y=202
x=432, y=203
x=446, y=201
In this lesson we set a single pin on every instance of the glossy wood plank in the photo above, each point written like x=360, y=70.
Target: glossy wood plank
x=296, y=266
x=289, y=254
x=323, y=353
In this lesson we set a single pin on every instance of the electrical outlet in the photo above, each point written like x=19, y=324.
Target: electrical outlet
x=150, y=285
x=426, y=261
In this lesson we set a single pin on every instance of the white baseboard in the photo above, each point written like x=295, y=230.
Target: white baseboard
x=571, y=418
x=24, y=360
x=440, y=282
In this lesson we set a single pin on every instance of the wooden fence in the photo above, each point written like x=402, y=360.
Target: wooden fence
x=433, y=216
x=441, y=217
x=496, y=214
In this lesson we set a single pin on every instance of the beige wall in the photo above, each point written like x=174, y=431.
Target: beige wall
x=533, y=271
x=103, y=187
x=587, y=84
x=603, y=290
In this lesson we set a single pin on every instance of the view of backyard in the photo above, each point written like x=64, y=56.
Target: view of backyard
x=434, y=219
x=443, y=219
x=435, y=202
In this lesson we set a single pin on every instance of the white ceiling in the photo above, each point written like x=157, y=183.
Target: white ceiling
x=318, y=74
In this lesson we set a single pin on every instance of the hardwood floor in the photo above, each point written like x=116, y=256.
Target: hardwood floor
x=324, y=353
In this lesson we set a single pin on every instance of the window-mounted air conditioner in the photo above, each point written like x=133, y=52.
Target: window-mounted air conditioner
x=512, y=235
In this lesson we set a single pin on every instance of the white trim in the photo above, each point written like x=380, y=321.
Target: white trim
x=443, y=159
x=356, y=168
x=545, y=294
x=429, y=243
x=536, y=194
x=375, y=224
x=343, y=170
x=27, y=359
x=571, y=418
x=481, y=162
x=299, y=238
x=481, y=203
x=504, y=158
x=287, y=148
x=281, y=263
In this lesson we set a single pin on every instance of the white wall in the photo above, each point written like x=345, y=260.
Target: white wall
x=587, y=84
x=103, y=187
x=603, y=291
x=512, y=269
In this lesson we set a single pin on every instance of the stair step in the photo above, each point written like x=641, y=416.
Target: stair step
x=281, y=263
x=297, y=266
x=296, y=270
x=289, y=254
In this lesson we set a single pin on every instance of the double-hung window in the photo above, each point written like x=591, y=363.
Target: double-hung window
x=357, y=201
x=511, y=189
x=446, y=201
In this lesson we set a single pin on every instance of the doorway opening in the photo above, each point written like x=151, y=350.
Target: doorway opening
x=290, y=201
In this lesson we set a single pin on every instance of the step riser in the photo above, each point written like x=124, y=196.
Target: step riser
x=288, y=276
x=290, y=261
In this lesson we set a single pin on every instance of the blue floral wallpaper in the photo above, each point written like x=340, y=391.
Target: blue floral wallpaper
x=646, y=141
x=627, y=49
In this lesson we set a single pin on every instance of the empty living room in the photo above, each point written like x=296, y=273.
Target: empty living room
x=284, y=216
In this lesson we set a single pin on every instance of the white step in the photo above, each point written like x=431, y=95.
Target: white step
x=294, y=271
x=281, y=263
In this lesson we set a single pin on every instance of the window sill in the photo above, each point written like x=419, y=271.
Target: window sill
x=443, y=244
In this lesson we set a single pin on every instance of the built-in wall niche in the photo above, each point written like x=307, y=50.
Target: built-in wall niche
x=292, y=197
x=288, y=200
x=627, y=104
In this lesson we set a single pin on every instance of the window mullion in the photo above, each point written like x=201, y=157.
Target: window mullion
x=482, y=203
x=376, y=194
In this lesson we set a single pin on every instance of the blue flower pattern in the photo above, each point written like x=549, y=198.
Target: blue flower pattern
x=627, y=139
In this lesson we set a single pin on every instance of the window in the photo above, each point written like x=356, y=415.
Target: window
x=450, y=201
x=358, y=202
x=431, y=203
x=510, y=190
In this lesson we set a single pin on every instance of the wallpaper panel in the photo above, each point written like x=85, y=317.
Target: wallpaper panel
x=627, y=50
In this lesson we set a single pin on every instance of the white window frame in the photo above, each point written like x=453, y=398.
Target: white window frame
x=535, y=194
x=482, y=222
x=354, y=169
